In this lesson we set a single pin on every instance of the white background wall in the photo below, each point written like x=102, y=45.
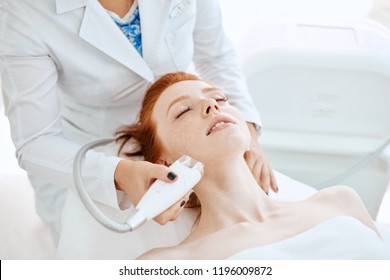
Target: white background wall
x=237, y=19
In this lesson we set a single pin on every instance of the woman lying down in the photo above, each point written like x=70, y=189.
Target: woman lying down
x=237, y=219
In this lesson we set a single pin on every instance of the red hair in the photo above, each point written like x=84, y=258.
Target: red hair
x=144, y=130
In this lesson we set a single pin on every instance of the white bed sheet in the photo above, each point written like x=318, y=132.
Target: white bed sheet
x=346, y=239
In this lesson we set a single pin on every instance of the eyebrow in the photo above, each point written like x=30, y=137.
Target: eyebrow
x=208, y=89
x=177, y=100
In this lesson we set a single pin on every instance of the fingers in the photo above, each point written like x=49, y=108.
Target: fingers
x=253, y=164
x=265, y=181
x=256, y=171
x=162, y=173
x=182, y=204
x=274, y=184
x=259, y=170
x=166, y=216
x=250, y=159
x=174, y=211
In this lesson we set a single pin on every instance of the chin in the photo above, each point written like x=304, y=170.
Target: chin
x=235, y=139
x=231, y=146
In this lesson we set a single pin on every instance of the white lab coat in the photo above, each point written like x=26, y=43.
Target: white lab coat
x=70, y=76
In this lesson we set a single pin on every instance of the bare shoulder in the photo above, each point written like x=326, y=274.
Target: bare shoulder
x=344, y=200
x=340, y=196
x=340, y=200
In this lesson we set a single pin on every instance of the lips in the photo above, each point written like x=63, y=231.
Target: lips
x=217, y=122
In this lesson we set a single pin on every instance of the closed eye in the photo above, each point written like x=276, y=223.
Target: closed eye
x=183, y=112
x=221, y=99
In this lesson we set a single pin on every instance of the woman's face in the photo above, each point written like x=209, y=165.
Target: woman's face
x=193, y=118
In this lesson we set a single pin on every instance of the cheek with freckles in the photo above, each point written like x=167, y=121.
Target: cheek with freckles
x=188, y=137
x=182, y=139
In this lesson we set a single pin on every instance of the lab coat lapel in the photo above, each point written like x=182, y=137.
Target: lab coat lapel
x=63, y=6
x=154, y=15
x=98, y=29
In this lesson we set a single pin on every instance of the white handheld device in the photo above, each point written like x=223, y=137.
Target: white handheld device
x=159, y=197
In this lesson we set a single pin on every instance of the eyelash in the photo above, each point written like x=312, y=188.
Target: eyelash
x=221, y=99
x=182, y=112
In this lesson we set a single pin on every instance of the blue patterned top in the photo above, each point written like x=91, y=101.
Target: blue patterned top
x=131, y=27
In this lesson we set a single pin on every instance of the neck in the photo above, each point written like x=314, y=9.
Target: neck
x=229, y=194
x=120, y=7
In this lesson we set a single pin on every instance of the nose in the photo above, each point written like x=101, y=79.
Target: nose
x=210, y=106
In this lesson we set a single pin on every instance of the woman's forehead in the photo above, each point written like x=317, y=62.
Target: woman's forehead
x=186, y=87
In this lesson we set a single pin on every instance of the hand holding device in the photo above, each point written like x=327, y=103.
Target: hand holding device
x=158, y=198
x=161, y=195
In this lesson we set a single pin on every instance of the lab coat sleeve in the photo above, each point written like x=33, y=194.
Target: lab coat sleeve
x=30, y=91
x=216, y=61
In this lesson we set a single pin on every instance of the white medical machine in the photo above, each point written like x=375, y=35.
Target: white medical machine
x=323, y=91
x=158, y=198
